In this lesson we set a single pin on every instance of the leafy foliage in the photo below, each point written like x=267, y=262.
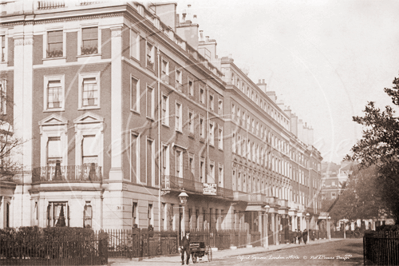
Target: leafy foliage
x=379, y=146
x=361, y=199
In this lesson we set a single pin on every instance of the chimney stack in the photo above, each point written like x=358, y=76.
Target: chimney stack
x=262, y=85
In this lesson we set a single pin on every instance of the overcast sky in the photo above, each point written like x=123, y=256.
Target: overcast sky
x=325, y=59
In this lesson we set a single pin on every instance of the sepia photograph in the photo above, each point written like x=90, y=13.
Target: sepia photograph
x=209, y=132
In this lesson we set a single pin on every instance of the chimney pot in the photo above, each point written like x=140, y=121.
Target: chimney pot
x=259, y=81
x=263, y=80
x=207, y=38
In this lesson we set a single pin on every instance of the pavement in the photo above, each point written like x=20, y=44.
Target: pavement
x=220, y=254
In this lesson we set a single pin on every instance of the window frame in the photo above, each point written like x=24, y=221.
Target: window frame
x=178, y=79
x=211, y=102
x=201, y=125
x=179, y=163
x=152, y=111
x=220, y=175
x=46, y=44
x=82, y=76
x=191, y=89
x=202, y=95
x=135, y=107
x=165, y=110
x=3, y=36
x=50, y=207
x=211, y=133
x=202, y=170
x=150, y=66
x=3, y=96
x=165, y=159
x=134, y=54
x=165, y=77
x=80, y=40
x=191, y=122
x=137, y=152
x=220, y=106
x=47, y=79
x=178, y=116
x=220, y=135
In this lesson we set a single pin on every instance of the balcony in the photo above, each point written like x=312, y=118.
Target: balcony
x=176, y=183
x=240, y=196
x=70, y=173
x=170, y=182
x=225, y=192
x=283, y=203
x=256, y=198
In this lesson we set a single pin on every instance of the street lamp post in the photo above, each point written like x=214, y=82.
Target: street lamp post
x=329, y=227
x=308, y=225
x=267, y=208
x=183, y=201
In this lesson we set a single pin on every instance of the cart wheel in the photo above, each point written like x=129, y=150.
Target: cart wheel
x=209, y=254
x=194, y=257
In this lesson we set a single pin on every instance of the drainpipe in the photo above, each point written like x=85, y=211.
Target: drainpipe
x=159, y=135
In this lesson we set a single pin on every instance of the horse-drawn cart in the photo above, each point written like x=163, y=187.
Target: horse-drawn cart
x=198, y=250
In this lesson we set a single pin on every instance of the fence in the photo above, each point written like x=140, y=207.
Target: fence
x=40, y=250
x=143, y=243
x=381, y=248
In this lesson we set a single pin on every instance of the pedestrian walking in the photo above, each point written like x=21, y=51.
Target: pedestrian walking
x=185, y=248
x=305, y=236
x=300, y=233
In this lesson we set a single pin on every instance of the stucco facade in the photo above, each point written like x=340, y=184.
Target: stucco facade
x=120, y=114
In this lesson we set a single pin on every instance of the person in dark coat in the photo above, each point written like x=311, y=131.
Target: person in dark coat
x=305, y=236
x=299, y=235
x=185, y=248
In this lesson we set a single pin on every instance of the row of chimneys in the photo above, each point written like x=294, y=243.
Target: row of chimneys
x=187, y=29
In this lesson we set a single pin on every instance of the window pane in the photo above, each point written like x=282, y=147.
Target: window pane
x=55, y=36
x=90, y=33
x=54, y=96
x=90, y=92
x=89, y=146
x=54, y=148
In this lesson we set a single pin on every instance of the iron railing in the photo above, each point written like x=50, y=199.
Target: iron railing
x=170, y=182
x=45, y=250
x=381, y=248
x=70, y=173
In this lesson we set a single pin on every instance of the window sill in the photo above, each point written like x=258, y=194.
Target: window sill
x=191, y=135
x=165, y=125
x=179, y=131
x=89, y=108
x=54, y=60
x=150, y=118
x=202, y=140
x=89, y=58
x=220, y=149
x=53, y=110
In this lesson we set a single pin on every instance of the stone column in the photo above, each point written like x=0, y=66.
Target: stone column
x=116, y=104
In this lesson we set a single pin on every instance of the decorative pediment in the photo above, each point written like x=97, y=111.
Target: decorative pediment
x=88, y=118
x=53, y=120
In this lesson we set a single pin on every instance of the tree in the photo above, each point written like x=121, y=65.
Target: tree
x=8, y=146
x=361, y=199
x=379, y=147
